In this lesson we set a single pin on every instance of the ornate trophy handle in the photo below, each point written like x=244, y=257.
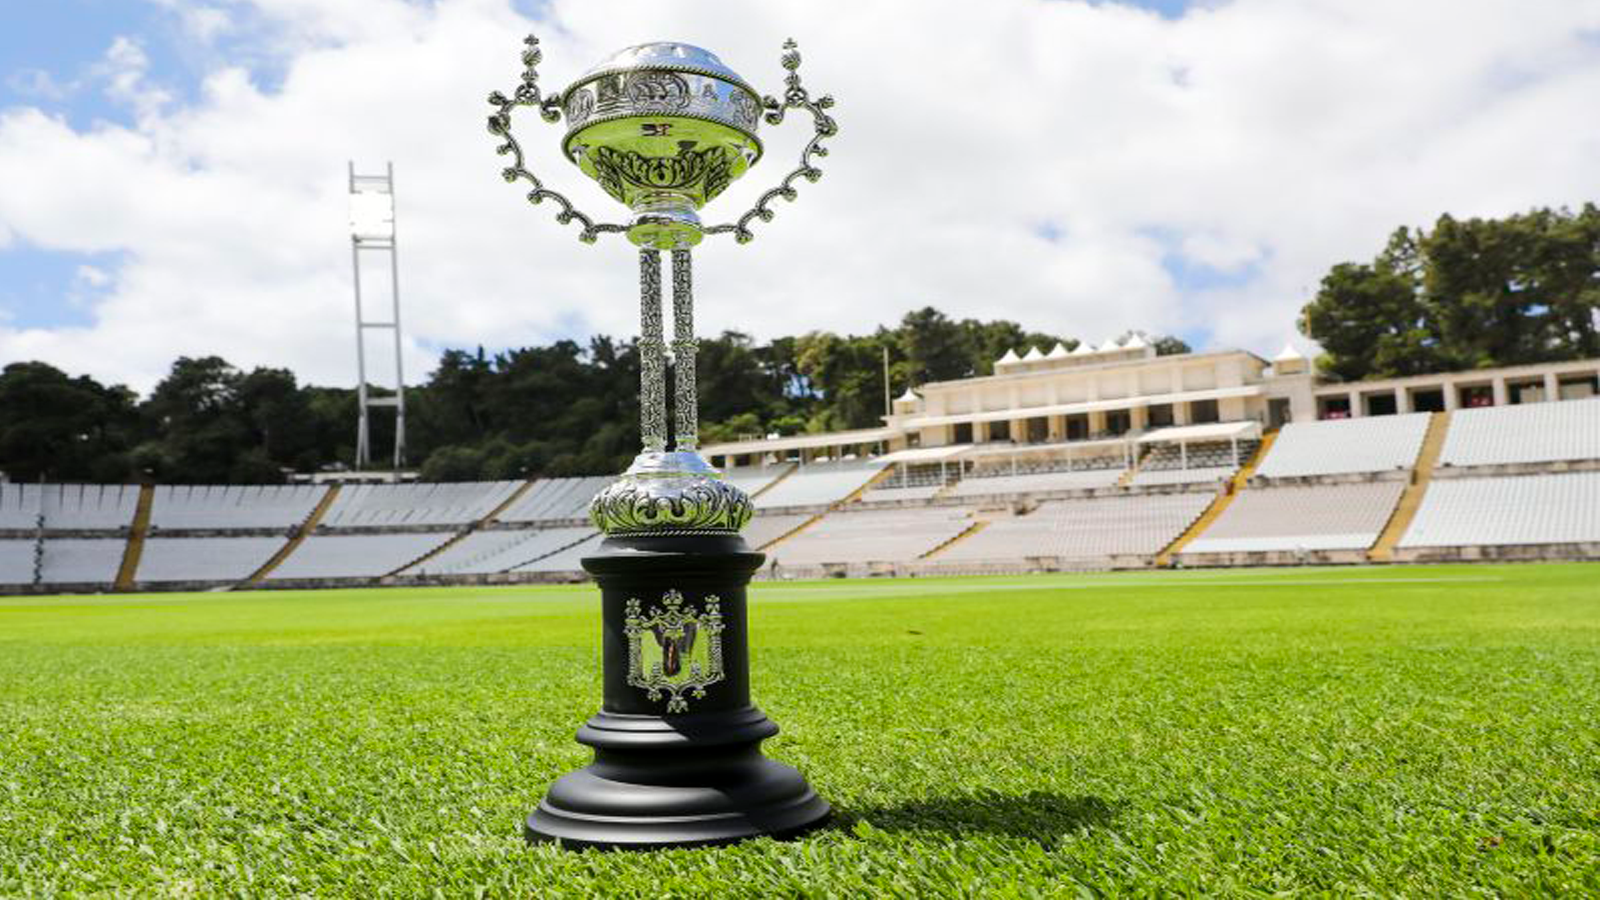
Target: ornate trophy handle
x=527, y=94
x=794, y=97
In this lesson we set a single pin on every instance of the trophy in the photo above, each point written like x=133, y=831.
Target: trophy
x=664, y=128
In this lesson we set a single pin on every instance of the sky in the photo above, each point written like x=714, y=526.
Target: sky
x=173, y=172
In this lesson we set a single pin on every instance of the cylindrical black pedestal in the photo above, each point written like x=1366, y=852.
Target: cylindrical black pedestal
x=691, y=775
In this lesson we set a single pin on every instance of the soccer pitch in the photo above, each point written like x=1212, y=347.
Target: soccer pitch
x=1395, y=730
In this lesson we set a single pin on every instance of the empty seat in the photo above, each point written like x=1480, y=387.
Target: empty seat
x=225, y=506
x=1371, y=444
x=356, y=555
x=1302, y=517
x=819, y=484
x=483, y=552
x=68, y=506
x=872, y=536
x=567, y=559
x=764, y=529
x=204, y=558
x=416, y=504
x=556, y=499
x=82, y=560
x=16, y=561
x=1089, y=528
x=978, y=485
x=1520, y=509
x=1529, y=433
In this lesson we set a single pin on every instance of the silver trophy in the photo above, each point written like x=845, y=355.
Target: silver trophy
x=664, y=128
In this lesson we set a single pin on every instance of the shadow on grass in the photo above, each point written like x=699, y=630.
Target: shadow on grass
x=1039, y=815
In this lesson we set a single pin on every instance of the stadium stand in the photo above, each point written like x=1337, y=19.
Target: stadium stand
x=764, y=529
x=208, y=506
x=483, y=552
x=1369, y=444
x=1183, y=476
x=356, y=555
x=88, y=507
x=820, y=484
x=1301, y=517
x=564, y=560
x=1172, y=464
x=16, y=561
x=878, y=494
x=1529, y=433
x=872, y=536
x=977, y=484
x=1096, y=527
x=555, y=500
x=751, y=481
x=81, y=560
x=416, y=504
x=177, y=559
x=1551, y=508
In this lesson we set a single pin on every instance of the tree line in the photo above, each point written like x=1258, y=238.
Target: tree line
x=1466, y=294
x=563, y=408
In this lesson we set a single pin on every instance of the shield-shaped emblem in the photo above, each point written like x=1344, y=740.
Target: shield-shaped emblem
x=674, y=650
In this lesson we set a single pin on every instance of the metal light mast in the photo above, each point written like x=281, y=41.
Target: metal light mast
x=372, y=230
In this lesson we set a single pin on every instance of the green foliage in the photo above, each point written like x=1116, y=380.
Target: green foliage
x=60, y=428
x=559, y=409
x=1345, y=732
x=1469, y=294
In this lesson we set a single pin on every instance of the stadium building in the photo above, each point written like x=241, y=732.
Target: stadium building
x=1108, y=457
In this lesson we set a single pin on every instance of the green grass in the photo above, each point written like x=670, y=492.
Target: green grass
x=1404, y=730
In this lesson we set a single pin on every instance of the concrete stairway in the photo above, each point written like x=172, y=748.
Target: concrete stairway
x=1220, y=505
x=1382, y=549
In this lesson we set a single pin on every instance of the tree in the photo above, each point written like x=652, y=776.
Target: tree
x=1468, y=294
x=61, y=428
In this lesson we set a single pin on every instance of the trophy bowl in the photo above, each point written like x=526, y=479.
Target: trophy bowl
x=663, y=127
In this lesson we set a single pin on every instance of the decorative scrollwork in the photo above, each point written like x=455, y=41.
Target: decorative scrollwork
x=527, y=94
x=795, y=96
x=710, y=168
x=652, y=93
x=652, y=505
x=667, y=656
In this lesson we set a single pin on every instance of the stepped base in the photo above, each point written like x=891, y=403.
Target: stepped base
x=691, y=781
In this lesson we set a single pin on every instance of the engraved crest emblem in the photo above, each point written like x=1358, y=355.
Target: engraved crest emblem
x=674, y=650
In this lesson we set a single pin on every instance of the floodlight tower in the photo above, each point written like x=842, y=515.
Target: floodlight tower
x=372, y=230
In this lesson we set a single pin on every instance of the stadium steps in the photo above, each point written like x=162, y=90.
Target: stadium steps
x=948, y=489
x=1421, y=474
x=1133, y=470
x=793, y=531
x=289, y=546
x=569, y=544
x=470, y=528
x=882, y=474
x=136, y=535
x=971, y=530
x=793, y=468
x=1219, y=505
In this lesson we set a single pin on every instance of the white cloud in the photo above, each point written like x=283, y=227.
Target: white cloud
x=93, y=276
x=1260, y=136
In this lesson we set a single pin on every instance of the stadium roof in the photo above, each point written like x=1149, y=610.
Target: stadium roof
x=1214, y=431
x=1067, y=409
x=801, y=442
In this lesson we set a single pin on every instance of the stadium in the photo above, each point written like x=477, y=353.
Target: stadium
x=559, y=596
x=1098, y=459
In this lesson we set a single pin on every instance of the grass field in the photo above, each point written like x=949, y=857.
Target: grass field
x=1404, y=730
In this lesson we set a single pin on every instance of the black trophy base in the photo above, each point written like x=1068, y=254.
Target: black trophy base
x=684, y=781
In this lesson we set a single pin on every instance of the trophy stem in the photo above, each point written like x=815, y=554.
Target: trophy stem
x=652, y=355
x=686, y=437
